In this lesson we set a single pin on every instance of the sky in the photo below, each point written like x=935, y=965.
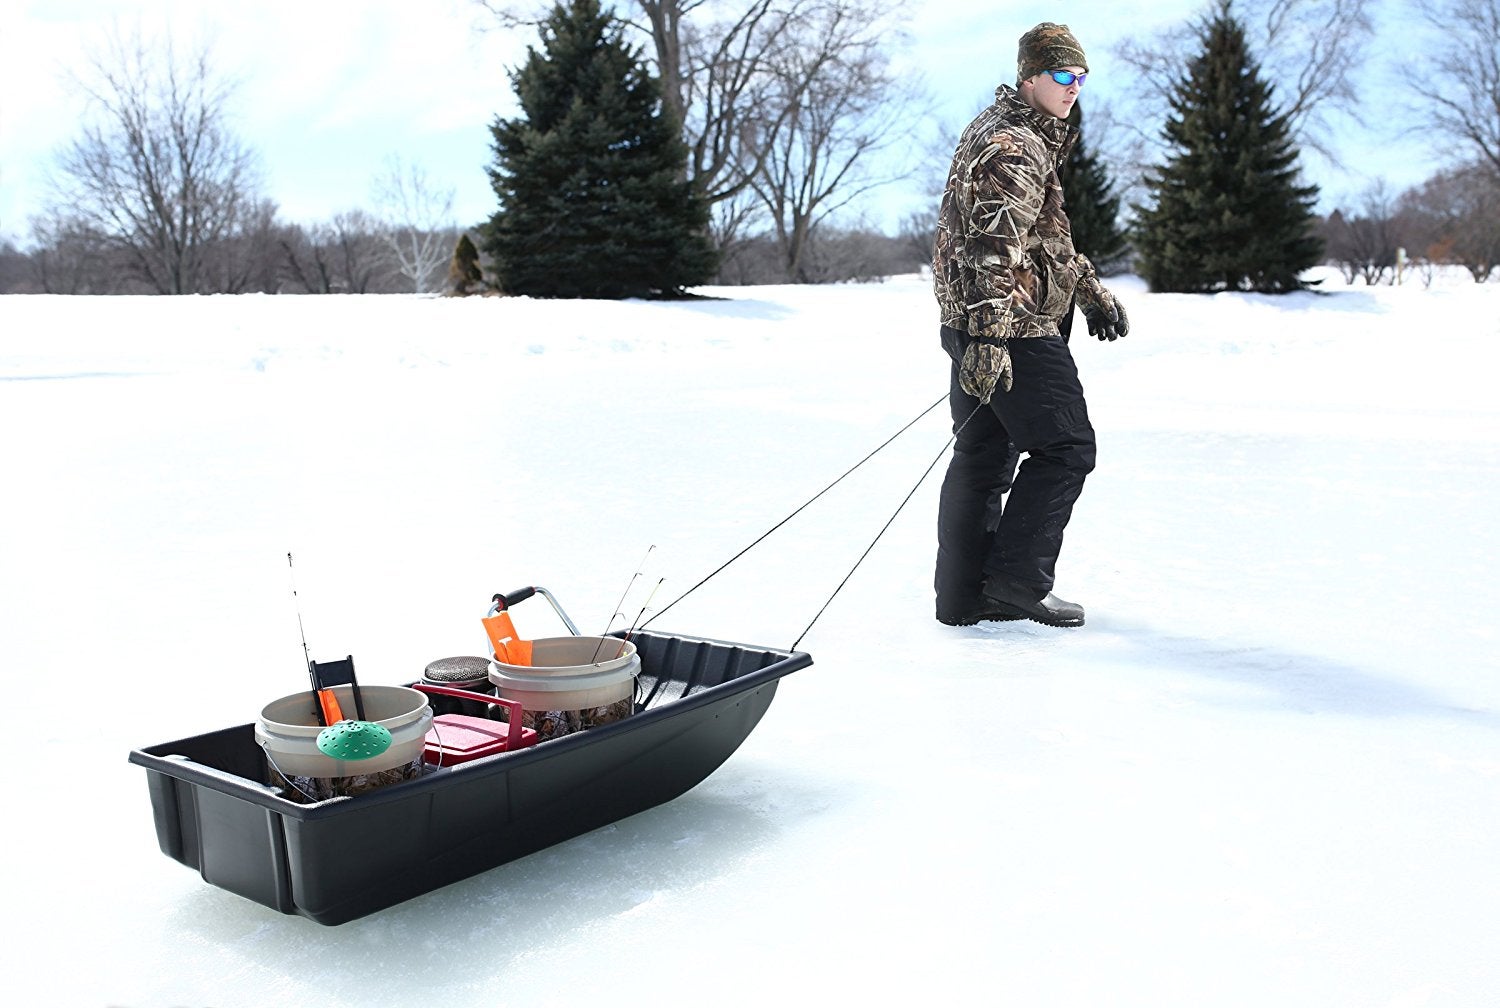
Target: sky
x=329, y=92
x=1264, y=773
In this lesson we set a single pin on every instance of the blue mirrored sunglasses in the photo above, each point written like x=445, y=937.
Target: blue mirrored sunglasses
x=1066, y=77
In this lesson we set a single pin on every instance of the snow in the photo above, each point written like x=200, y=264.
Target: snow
x=1265, y=773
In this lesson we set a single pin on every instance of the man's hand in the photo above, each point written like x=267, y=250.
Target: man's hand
x=1106, y=318
x=984, y=365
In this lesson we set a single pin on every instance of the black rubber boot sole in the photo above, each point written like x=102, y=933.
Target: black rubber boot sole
x=997, y=612
x=1061, y=624
x=1037, y=612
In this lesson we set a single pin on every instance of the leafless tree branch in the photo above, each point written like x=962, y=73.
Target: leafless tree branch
x=416, y=223
x=1467, y=105
x=156, y=172
x=844, y=106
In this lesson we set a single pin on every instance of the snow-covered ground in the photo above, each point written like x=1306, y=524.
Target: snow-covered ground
x=1267, y=772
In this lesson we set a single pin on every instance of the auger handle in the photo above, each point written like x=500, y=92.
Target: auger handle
x=511, y=598
x=522, y=594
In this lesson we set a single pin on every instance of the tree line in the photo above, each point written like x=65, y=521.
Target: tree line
x=1452, y=219
x=664, y=144
x=775, y=105
x=1226, y=209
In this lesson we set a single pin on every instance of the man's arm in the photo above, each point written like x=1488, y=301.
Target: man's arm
x=1007, y=195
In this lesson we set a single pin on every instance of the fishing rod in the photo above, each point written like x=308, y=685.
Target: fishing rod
x=341, y=738
x=326, y=705
x=619, y=610
x=638, y=616
x=297, y=604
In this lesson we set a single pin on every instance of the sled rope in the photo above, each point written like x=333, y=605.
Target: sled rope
x=906, y=500
x=910, y=494
x=767, y=534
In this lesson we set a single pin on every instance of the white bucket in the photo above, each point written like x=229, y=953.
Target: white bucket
x=288, y=730
x=570, y=673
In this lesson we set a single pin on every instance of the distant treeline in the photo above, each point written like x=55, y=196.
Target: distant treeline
x=667, y=145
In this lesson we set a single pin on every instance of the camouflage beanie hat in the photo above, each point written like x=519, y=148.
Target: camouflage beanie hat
x=1048, y=46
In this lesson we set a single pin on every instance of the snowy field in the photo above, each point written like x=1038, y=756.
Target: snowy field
x=1266, y=773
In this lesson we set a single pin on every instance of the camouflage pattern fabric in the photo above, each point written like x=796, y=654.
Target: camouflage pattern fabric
x=305, y=790
x=1004, y=266
x=553, y=724
x=1048, y=46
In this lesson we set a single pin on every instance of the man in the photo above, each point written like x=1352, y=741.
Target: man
x=1006, y=276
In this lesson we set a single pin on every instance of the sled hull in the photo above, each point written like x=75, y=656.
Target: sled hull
x=341, y=859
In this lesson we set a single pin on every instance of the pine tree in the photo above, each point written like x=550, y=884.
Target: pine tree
x=1228, y=212
x=463, y=270
x=1093, y=208
x=594, y=200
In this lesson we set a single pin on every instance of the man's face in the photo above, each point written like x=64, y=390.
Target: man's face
x=1046, y=95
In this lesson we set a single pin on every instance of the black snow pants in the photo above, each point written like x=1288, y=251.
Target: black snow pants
x=1043, y=417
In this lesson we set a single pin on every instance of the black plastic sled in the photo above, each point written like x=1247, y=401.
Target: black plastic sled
x=342, y=858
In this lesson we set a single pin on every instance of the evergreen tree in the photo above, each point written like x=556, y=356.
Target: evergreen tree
x=1228, y=212
x=1093, y=208
x=593, y=196
x=463, y=270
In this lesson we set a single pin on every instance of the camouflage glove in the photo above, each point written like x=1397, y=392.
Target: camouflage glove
x=984, y=365
x=1106, y=317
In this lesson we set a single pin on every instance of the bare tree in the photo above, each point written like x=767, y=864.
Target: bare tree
x=416, y=223
x=734, y=87
x=71, y=258
x=1364, y=244
x=355, y=250
x=346, y=255
x=157, y=174
x=246, y=261
x=1467, y=105
x=663, y=21
x=734, y=221
x=861, y=254
x=833, y=255
x=18, y=273
x=916, y=234
x=1311, y=50
x=1457, y=213
x=305, y=262
x=844, y=106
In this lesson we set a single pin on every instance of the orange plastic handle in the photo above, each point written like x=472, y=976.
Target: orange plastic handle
x=332, y=713
x=507, y=644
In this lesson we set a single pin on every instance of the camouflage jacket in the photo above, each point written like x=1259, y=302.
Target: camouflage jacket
x=1003, y=262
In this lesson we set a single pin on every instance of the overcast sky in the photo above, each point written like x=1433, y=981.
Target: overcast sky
x=329, y=89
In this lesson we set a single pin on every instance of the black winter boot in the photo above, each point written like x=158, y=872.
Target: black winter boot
x=1048, y=610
